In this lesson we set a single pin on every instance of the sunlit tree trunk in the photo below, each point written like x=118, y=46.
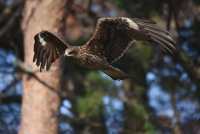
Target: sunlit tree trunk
x=40, y=103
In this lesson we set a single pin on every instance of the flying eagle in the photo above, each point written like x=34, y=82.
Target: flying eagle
x=112, y=38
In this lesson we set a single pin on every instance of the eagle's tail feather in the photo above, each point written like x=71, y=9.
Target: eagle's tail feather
x=115, y=73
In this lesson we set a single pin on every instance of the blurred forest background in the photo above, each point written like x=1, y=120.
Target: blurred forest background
x=164, y=97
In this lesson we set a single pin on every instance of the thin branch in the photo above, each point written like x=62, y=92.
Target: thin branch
x=11, y=22
x=28, y=71
x=187, y=65
x=169, y=17
x=4, y=99
x=11, y=84
x=190, y=69
x=175, y=11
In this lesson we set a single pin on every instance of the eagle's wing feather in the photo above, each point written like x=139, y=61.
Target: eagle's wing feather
x=113, y=36
x=47, y=48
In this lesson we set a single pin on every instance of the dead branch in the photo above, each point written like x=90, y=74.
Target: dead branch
x=32, y=74
x=11, y=22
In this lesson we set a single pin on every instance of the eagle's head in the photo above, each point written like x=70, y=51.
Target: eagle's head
x=72, y=51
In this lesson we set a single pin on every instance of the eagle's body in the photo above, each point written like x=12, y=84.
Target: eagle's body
x=111, y=39
x=90, y=61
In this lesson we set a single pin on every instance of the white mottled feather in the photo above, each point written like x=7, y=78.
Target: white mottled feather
x=131, y=23
x=42, y=41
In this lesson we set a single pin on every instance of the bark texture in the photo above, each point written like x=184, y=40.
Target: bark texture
x=40, y=103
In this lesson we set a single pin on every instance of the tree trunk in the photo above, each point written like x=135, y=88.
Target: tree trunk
x=40, y=103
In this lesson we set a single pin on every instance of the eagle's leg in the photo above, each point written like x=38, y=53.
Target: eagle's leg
x=115, y=73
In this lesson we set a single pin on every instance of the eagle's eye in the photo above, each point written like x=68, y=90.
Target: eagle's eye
x=71, y=52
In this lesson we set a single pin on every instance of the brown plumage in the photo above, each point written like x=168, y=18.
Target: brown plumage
x=112, y=38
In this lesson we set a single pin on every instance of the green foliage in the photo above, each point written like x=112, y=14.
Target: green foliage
x=184, y=57
x=79, y=41
x=90, y=105
x=139, y=111
x=136, y=7
x=119, y=3
x=139, y=91
x=149, y=128
x=197, y=2
x=140, y=116
x=95, y=80
x=143, y=53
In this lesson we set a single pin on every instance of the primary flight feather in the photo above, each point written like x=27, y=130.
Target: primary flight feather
x=112, y=38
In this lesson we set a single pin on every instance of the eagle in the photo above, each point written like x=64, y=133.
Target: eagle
x=112, y=38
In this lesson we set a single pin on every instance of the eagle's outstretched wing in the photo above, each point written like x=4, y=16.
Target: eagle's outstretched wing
x=114, y=35
x=47, y=49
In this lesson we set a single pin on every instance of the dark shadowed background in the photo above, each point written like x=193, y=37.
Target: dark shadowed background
x=163, y=97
